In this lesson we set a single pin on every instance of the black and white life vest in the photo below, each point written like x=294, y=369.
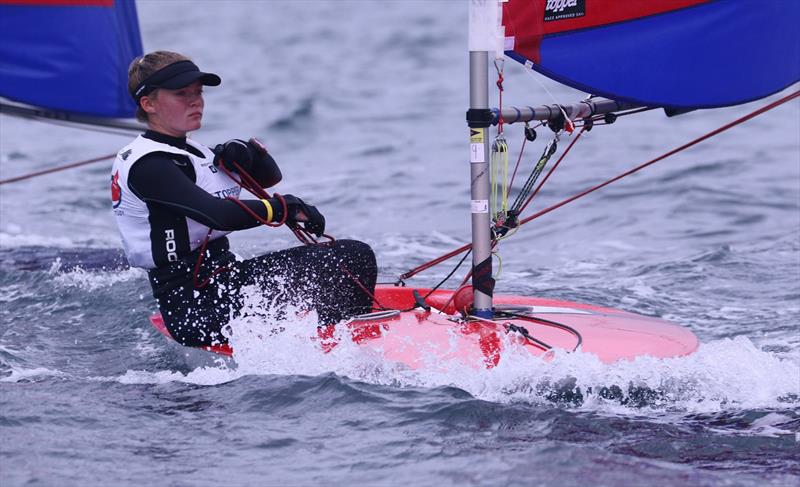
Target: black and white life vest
x=155, y=238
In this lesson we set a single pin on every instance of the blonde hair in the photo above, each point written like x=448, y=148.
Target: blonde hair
x=144, y=66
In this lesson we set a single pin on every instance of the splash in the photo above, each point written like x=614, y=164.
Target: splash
x=721, y=375
x=278, y=335
x=91, y=280
x=275, y=338
x=205, y=376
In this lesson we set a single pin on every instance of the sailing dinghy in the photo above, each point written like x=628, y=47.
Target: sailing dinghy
x=567, y=40
x=675, y=55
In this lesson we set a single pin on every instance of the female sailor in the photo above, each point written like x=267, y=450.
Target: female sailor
x=174, y=201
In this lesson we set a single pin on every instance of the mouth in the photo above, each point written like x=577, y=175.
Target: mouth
x=196, y=114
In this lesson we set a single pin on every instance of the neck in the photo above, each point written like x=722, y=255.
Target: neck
x=155, y=126
x=158, y=136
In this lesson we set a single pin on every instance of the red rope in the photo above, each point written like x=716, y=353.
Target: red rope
x=247, y=182
x=200, y=255
x=500, y=100
x=57, y=169
x=738, y=121
x=521, y=151
x=413, y=272
x=664, y=156
x=547, y=176
x=362, y=286
x=466, y=247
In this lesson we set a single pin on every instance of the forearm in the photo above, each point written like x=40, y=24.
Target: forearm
x=158, y=181
x=218, y=214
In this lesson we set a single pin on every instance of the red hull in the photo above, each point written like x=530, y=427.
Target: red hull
x=532, y=324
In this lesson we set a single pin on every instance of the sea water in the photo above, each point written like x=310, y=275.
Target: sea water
x=362, y=104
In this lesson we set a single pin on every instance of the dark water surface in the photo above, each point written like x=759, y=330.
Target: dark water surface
x=363, y=105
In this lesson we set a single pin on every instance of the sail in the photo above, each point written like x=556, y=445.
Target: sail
x=681, y=54
x=69, y=55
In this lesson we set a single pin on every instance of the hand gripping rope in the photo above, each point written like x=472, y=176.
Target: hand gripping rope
x=247, y=182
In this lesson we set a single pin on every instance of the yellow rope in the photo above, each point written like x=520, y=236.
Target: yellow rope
x=499, y=176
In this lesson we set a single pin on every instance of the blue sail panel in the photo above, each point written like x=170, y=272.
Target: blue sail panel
x=711, y=54
x=69, y=56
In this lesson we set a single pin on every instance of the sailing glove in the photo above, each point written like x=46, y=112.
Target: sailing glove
x=299, y=211
x=240, y=152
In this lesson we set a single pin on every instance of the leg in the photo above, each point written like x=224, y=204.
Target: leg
x=324, y=277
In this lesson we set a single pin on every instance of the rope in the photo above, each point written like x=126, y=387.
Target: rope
x=499, y=64
x=696, y=141
x=519, y=159
x=499, y=176
x=550, y=172
x=664, y=156
x=57, y=169
x=525, y=192
x=246, y=182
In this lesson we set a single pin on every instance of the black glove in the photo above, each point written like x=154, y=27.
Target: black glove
x=238, y=151
x=299, y=211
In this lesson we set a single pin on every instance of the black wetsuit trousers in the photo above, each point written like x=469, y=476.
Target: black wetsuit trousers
x=319, y=277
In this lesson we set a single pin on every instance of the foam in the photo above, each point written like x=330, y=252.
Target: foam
x=30, y=375
x=90, y=280
x=722, y=375
x=732, y=373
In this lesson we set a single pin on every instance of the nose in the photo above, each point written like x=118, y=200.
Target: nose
x=197, y=100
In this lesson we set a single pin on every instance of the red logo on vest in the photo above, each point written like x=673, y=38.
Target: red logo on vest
x=116, y=191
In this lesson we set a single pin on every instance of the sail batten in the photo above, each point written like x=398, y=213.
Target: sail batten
x=679, y=54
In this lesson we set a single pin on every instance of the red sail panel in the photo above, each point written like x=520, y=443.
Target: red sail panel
x=527, y=21
x=681, y=54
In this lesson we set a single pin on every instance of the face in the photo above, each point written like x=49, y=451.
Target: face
x=175, y=112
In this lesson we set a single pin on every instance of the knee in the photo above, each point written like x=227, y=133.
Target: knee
x=357, y=251
x=357, y=248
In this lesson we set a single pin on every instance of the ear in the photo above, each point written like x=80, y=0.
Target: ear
x=147, y=103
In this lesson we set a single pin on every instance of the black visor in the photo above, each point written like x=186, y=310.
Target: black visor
x=176, y=75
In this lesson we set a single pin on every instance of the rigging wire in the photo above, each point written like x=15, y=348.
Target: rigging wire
x=689, y=144
x=547, y=153
x=441, y=283
x=528, y=129
x=552, y=169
